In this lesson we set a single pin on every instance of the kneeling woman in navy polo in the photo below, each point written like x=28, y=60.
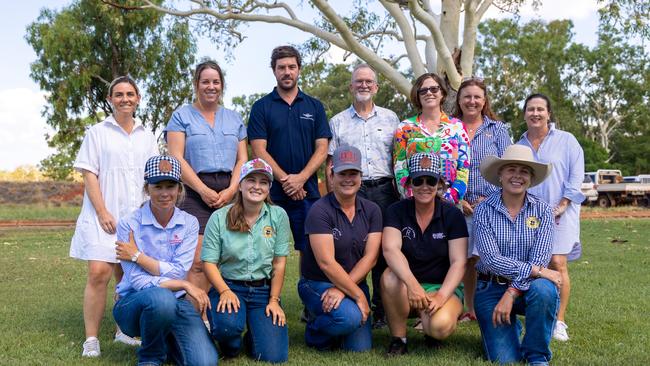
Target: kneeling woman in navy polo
x=514, y=232
x=156, y=246
x=344, y=240
x=425, y=246
x=245, y=250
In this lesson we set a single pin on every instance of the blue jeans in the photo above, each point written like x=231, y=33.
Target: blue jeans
x=297, y=212
x=502, y=344
x=340, y=327
x=267, y=342
x=169, y=327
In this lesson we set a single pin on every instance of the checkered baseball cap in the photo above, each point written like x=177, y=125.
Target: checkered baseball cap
x=256, y=166
x=425, y=164
x=162, y=167
x=346, y=157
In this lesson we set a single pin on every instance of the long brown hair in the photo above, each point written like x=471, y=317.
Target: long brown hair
x=235, y=220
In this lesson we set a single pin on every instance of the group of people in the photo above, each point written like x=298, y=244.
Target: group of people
x=436, y=208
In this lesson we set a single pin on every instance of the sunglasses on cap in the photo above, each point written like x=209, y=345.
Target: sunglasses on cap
x=432, y=89
x=431, y=181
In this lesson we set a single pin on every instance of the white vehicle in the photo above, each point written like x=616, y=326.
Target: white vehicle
x=612, y=190
x=588, y=188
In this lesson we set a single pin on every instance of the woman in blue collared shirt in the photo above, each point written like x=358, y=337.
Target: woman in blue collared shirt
x=210, y=143
x=245, y=253
x=156, y=246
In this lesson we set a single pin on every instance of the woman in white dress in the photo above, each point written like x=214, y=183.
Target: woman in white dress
x=111, y=160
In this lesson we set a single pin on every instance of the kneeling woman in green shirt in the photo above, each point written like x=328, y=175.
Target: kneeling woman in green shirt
x=245, y=250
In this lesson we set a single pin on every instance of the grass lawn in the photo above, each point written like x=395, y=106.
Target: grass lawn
x=38, y=212
x=42, y=319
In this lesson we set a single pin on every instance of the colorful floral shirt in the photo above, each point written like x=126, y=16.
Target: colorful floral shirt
x=450, y=142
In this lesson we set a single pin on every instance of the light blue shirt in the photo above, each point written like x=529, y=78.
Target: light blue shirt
x=208, y=149
x=373, y=136
x=561, y=149
x=511, y=247
x=172, y=246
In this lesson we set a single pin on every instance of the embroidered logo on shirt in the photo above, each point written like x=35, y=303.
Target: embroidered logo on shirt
x=336, y=233
x=165, y=166
x=267, y=231
x=532, y=222
x=308, y=116
x=408, y=232
x=438, y=236
x=175, y=240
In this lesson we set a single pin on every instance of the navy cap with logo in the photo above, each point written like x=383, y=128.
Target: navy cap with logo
x=160, y=168
x=346, y=157
x=425, y=164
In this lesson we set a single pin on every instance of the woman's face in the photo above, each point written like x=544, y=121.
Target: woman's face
x=346, y=183
x=471, y=100
x=515, y=178
x=537, y=114
x=209, y=87
x=124, y=98
x=163, y=194
x=424, y=189
x=430, y=94
x=255, y=188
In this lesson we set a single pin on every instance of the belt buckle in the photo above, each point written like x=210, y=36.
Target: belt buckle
x=497, y=279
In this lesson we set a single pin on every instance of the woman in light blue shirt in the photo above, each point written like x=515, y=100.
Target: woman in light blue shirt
x=245, y=253
x=561, y=190
x=156, y=246
x=210, y=143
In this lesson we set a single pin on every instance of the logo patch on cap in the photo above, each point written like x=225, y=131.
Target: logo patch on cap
x=425, y=163
x=165, y=166
x=258, y=165
x=346, y=156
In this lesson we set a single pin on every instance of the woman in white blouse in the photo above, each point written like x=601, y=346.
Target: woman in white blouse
x=111, y=160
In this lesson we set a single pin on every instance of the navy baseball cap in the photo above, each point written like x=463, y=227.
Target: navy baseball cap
x=162, y=167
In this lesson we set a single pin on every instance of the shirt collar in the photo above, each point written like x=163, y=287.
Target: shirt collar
x=437, y=211
x=335, y=203
x=551, y=130
x=136, y=122
x=353, y=112
x=276, y=96
x=149, y=219
x=496, y=201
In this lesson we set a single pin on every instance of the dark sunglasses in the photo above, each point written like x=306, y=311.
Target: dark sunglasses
x=431, y=181
x=432, y=89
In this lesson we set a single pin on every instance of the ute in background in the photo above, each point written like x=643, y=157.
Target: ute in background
x=613, y=190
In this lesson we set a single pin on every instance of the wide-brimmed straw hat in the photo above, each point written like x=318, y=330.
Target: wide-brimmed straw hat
x=514, y=154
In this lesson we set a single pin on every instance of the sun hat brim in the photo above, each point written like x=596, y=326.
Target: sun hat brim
x=492, y=164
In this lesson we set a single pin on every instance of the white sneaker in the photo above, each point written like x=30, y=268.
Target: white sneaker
x=91, y=347
x=559, y=332
x=123, y=338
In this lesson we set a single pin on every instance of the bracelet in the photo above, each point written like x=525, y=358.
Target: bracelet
x=274, y=298
x=539, y=272
x=224, y=291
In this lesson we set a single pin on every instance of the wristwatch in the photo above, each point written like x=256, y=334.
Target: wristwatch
x=134, y=258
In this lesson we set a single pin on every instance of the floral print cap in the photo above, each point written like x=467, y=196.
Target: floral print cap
x=256, y=166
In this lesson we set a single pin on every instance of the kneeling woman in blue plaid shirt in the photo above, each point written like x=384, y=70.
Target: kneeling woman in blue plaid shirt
x=244, y=254
x=514, y=241
x=156, y=245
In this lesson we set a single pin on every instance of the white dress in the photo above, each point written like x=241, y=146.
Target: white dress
x=118, y=160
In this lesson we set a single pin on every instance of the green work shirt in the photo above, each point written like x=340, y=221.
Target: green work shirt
x=247, y=256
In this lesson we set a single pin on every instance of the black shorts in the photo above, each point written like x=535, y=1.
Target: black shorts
x=194, y=205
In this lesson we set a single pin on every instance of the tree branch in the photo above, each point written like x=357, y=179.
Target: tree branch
x=408, y=36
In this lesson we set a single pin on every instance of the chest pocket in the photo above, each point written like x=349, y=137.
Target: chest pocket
x=230, y=138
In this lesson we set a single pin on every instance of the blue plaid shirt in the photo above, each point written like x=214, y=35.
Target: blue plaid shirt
x=491, y=138
x=508, y=247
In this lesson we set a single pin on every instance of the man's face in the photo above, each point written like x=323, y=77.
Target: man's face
x=286, y=73
x=364, y=85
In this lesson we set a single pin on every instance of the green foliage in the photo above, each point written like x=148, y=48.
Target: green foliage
x=243, y=104
x=86, y=45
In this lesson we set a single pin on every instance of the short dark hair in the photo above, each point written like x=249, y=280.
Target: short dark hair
x=546, y=99
x=122, y=79
x=415, y=98
x=487, y=109
x=284, y=52
x=208, y=64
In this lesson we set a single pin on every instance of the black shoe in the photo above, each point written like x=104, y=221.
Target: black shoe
x=431, y=342
x=396, y=347
x=378, y=322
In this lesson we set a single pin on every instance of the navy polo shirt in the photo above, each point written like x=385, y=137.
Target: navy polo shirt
x=290, y=132
x=326, y=217
x=427, y=253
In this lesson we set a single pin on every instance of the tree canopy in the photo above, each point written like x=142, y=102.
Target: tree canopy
x=81, y=48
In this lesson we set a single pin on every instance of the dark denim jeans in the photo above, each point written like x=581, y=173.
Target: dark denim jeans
x=502, y=344
x=267, y=342
x=169, y=327
x=340, y=327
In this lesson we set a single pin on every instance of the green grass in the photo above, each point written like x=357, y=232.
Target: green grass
x=42, y=319
x=38, y=212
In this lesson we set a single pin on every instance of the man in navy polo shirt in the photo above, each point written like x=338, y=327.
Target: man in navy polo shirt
x=289, y=130
x=425, y=246
x=344, y=242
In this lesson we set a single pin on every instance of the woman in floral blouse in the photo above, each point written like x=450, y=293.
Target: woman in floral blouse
x=432, y=131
